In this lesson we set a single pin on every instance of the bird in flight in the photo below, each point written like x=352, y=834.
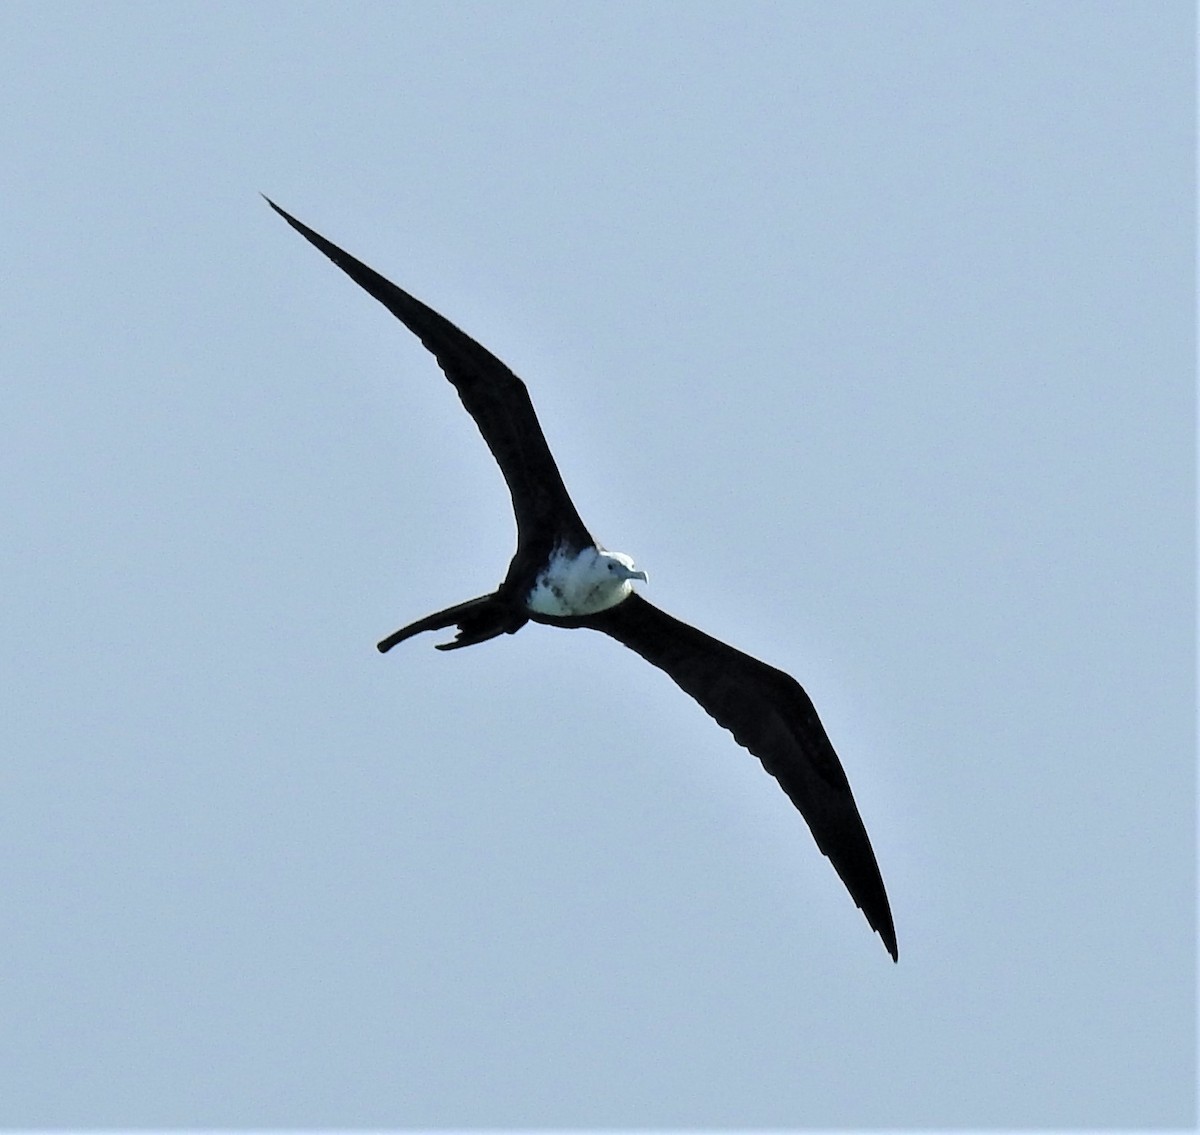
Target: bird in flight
x=562, y=577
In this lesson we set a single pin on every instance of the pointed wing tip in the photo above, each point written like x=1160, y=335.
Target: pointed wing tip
x=282, y=212
x=887, y=933
x=880, y=920
x=875, y=908
x=302, y=229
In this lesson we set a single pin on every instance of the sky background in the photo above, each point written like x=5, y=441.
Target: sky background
x=866, y=328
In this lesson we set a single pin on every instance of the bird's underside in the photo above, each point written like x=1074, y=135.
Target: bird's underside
x=559, y=576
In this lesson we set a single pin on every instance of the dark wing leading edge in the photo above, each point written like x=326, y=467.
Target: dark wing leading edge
x=494, y=396
x=769, y=714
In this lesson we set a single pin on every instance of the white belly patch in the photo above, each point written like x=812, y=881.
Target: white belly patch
x=583, y=583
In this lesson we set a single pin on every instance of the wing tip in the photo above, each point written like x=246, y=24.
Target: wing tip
x=302, y=229
x=883, y=926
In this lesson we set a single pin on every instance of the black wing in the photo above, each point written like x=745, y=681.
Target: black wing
x=494, y=396
x=770, y=714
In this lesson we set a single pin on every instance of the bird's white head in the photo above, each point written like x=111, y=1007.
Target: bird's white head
x=620, y=566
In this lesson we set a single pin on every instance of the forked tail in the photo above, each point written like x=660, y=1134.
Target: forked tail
x=477, y=621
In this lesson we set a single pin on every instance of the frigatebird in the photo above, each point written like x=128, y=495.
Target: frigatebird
x=562, y=577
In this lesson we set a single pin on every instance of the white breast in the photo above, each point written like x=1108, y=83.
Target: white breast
x=583, y=583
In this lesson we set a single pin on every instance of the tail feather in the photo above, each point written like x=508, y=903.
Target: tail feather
x=477, y=620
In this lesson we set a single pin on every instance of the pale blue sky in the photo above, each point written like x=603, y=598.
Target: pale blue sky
x=866, y=328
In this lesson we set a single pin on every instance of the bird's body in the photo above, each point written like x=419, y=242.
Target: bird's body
x=560, y=576
x=582, y=583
